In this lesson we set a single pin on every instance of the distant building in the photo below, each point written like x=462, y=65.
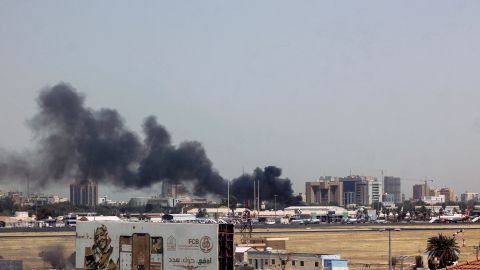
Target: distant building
x=139, y=201
x=350, y=189
x=434, y=192
x=392, y=185
x=420, y=191
x=286, y=260
x=449, y=194
x=388, y=198
x=11, y=264
x=43, y=199
x=84, y=193
x=361, y=190
x=106, y=201
x=173, y=190
x=323, y=191
x=432, y=200
x=17, y=197
x=469, y=196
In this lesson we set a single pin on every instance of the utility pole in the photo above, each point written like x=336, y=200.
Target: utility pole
x=228, y=198
x=254, y=195
x=476, y=249
x=389, y=229
x=389, y=250
x=275, y=206
x=258, y=196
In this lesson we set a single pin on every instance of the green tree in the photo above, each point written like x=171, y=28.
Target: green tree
x=44, y=212
x=7, y=205
x=462, y=206
x=444, y=249
x=393, y=262
x=333, y=203
x=201, y=213
x=148, y=207
x=420, y=203
x=418, y=262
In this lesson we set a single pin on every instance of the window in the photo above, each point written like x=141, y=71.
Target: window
x=283, y=262
x=302, y=263
x=273, y=261
x=316, y=264
x=293, y=262
x=256, y=264
x=249, y=261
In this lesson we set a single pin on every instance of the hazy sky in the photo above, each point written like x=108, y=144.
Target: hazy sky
x=314, y=87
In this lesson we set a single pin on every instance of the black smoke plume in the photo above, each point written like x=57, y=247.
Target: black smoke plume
x=77, y=143
x=55, y=256
x=271, y=184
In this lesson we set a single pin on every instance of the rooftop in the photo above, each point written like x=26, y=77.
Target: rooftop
x=465, y=265
x=314, y=255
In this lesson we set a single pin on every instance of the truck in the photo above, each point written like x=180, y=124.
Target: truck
x=153, y=246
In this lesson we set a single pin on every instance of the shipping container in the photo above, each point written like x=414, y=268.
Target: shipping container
x=153, y=246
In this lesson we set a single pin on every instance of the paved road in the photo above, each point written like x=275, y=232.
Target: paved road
x=366, y=225
x=312, y=230
x=60, y=229
x=299, y=228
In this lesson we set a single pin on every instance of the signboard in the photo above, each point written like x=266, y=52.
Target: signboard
x=146, y=246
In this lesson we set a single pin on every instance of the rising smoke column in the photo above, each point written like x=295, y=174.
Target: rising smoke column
x=55, y=256
x=76, y=142
x=80, y=143
x=187, y=161
x=271, y=184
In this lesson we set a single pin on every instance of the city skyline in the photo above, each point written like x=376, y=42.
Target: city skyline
x=307, y=91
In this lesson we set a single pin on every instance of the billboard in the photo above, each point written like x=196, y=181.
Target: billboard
x=146, y=246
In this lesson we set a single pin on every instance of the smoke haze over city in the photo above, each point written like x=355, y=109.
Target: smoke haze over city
x=321, y=90
x=76, y=144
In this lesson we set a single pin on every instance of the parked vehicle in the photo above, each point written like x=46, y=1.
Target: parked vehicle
x=297, y=221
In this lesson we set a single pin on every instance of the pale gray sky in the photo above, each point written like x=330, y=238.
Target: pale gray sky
x=313, y=87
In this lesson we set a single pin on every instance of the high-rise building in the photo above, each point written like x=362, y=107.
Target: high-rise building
x=450, y=195
x=350, y=189
x=388, y=198
x=361, y=190
x=84, y=193
x=469, y=196
x=173, y=190
x=392, y=185
x=419, y=191
x=376, y=190
x=367, y=191
x=324, y=191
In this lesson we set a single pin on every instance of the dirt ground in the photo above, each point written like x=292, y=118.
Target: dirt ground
x=27, y=246
x=368, y=246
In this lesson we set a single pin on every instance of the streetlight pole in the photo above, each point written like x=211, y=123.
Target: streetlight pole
x=228, y=198
x=389, y=250
x=389, y=229
x=275, y=205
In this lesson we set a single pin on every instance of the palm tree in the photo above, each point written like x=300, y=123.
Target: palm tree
x=444, y=249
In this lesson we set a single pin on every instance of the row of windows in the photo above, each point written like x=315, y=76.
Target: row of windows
x=260, y=263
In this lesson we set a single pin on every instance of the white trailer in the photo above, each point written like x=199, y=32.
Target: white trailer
x=153, y=246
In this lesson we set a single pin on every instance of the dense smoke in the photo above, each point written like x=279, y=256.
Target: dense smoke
x=270, y=185
x=55, y=256
x=78, y=143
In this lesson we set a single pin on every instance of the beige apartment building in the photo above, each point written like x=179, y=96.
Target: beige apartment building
x=324, y=190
